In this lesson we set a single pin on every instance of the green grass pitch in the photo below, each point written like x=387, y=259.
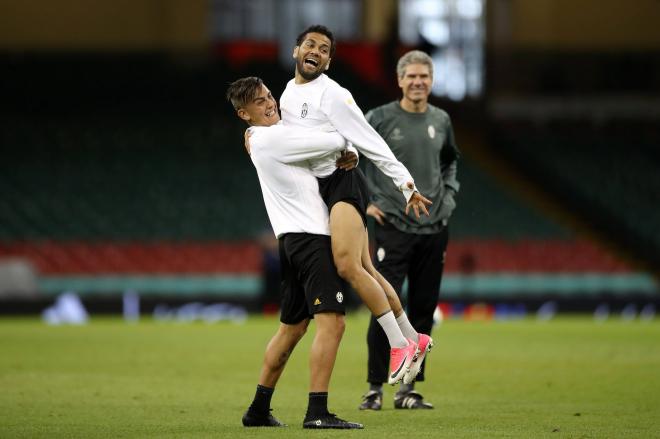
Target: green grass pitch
x=567, y=378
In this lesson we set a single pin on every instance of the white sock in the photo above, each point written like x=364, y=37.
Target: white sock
x=392, y=330
x=406, y=328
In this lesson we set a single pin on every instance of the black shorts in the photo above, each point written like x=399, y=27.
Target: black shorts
x=310, y=283
x=348, y=186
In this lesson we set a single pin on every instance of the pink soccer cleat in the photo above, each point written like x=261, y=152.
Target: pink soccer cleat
x=425, y=345
x=400, y=361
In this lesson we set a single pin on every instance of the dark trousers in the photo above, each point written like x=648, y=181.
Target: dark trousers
x=421, y=258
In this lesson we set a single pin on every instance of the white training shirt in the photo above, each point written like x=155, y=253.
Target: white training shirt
x=322, y=103
x=290, y=190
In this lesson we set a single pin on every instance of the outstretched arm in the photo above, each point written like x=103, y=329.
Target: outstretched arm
x=348, y=119
x=418, y=203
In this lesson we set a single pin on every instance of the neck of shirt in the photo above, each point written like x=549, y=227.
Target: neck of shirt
x=411, y=107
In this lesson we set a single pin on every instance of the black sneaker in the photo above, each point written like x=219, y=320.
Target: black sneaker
x=372, y=400
x=253, y=419
x=330, y=420
x=410, y=400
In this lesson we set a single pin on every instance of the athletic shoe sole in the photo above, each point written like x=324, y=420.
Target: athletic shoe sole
x=416, y=365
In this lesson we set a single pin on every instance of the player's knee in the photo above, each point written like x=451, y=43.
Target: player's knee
x=331, y=323
x=301, y=329
x=340, y=325
x=346, y=267
x=299, y=332
x=295, y=332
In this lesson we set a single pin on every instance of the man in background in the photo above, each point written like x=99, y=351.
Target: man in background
x=421, y=136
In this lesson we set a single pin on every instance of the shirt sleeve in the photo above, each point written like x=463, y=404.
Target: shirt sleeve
x=370, y=118
x=344, y=114
x=351, y=148
x=449, y=156
x=289, y=145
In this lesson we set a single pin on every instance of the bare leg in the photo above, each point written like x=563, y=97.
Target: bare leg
x=402, y=320
x=392, y=297
x=278, y=351
x=348, y=235
x=329, y=331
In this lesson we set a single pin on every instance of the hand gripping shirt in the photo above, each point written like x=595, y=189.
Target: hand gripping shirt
x=290, y=190
x=322, y=103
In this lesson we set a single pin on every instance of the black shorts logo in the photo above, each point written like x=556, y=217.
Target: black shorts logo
x=340, y=297
x=303, y=112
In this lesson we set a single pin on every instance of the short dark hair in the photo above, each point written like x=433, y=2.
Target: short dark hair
x=319, y=29
x=243, y=91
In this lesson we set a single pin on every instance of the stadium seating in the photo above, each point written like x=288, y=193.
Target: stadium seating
x=155, y=182
x=168, y=177
x=487, y=209
x=608, y=174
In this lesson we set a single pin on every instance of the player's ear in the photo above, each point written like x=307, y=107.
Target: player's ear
x=243, y=114
x=327, y=66
x=295, y=52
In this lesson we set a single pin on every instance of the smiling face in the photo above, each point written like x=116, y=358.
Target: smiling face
x=415, y=84
x=312, y=56
x=262, y=110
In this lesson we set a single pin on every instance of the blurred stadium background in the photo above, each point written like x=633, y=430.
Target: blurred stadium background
x=122, y=166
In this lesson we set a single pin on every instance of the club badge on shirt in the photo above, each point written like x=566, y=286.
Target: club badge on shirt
x=396, y=134
x=303, y=112
x=431, y=131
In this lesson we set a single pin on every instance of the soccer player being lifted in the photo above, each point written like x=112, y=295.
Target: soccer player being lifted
x=313, y=100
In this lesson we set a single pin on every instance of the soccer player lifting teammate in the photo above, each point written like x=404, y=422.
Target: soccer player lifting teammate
x=300, y=221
